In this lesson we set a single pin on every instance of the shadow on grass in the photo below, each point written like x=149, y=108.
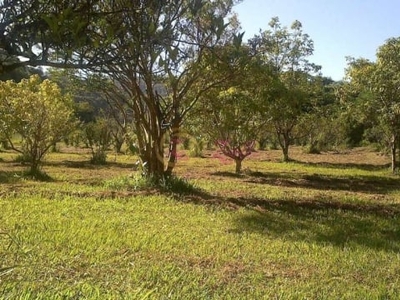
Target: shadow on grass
x=363, y=184
x=85, y=164
x=228, y=174
x=37, y=175
x=332, y=223
x=325, y=221
x=330, y=165
x=10, y=177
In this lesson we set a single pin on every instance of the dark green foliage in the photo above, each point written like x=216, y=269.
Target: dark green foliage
x=4, y=144
x=23, y=158
x=186, y=143
x=98, y=137
x=177, y=185
x=289, y=97
x=99, y=157
x=37, y=174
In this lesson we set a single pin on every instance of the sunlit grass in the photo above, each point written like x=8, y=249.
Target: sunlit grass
x=315, y=230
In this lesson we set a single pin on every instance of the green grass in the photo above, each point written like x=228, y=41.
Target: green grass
x=279, y=231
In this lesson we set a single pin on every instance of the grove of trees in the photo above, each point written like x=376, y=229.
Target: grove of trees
x=141, y=72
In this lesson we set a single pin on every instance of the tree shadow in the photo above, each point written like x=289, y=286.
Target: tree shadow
x=10, y=177
x=333, y=223
x=320, y=220
x=228, y=174
x=331, y=165
x=364, y=184
x=85, y=164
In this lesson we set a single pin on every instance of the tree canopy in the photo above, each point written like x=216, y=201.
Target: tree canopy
x=286, y=50
x=376, y=86
x=38, y=112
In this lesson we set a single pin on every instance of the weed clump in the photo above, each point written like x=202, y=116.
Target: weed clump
x=132, y=182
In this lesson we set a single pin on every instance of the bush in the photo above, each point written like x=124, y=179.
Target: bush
x=54, y=148
x=38, y=112
x=99, y=157
x=133, y=148
x=186, y=143
x=98, y=137
x=312, y=149
x=4, y=145
x=197, y=147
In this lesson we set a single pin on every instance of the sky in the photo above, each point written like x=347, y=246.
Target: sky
x=339, y=28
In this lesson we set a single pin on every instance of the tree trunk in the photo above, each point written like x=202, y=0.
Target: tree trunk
x=155, y=167
x=118, y=142
x=284, y=142
x=34, y=167
x=285, y=147
x=173, y=145
x=238, y=165
x=394, y=150
x=152, y=157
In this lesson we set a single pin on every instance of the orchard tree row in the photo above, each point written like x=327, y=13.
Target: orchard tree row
x=159, y=71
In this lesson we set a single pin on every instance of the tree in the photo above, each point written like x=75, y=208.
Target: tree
x=137, y=44
x=38, y=112
x=98, y=136
x=318, y=127
x=166, y=64
x=234, y=124
x=233, y=107
x=377, y=84
x=286, y=50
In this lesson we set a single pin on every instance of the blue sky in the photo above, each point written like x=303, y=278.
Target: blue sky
x=339, y=28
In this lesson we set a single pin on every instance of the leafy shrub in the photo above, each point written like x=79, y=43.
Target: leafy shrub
x=4, y=144
x=99, y=157
x=98, y=137
x=197, y=147
x=38, y=112
x=186, y=143
x=312, y=149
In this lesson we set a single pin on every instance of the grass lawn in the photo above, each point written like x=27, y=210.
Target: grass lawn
x=320, y=227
